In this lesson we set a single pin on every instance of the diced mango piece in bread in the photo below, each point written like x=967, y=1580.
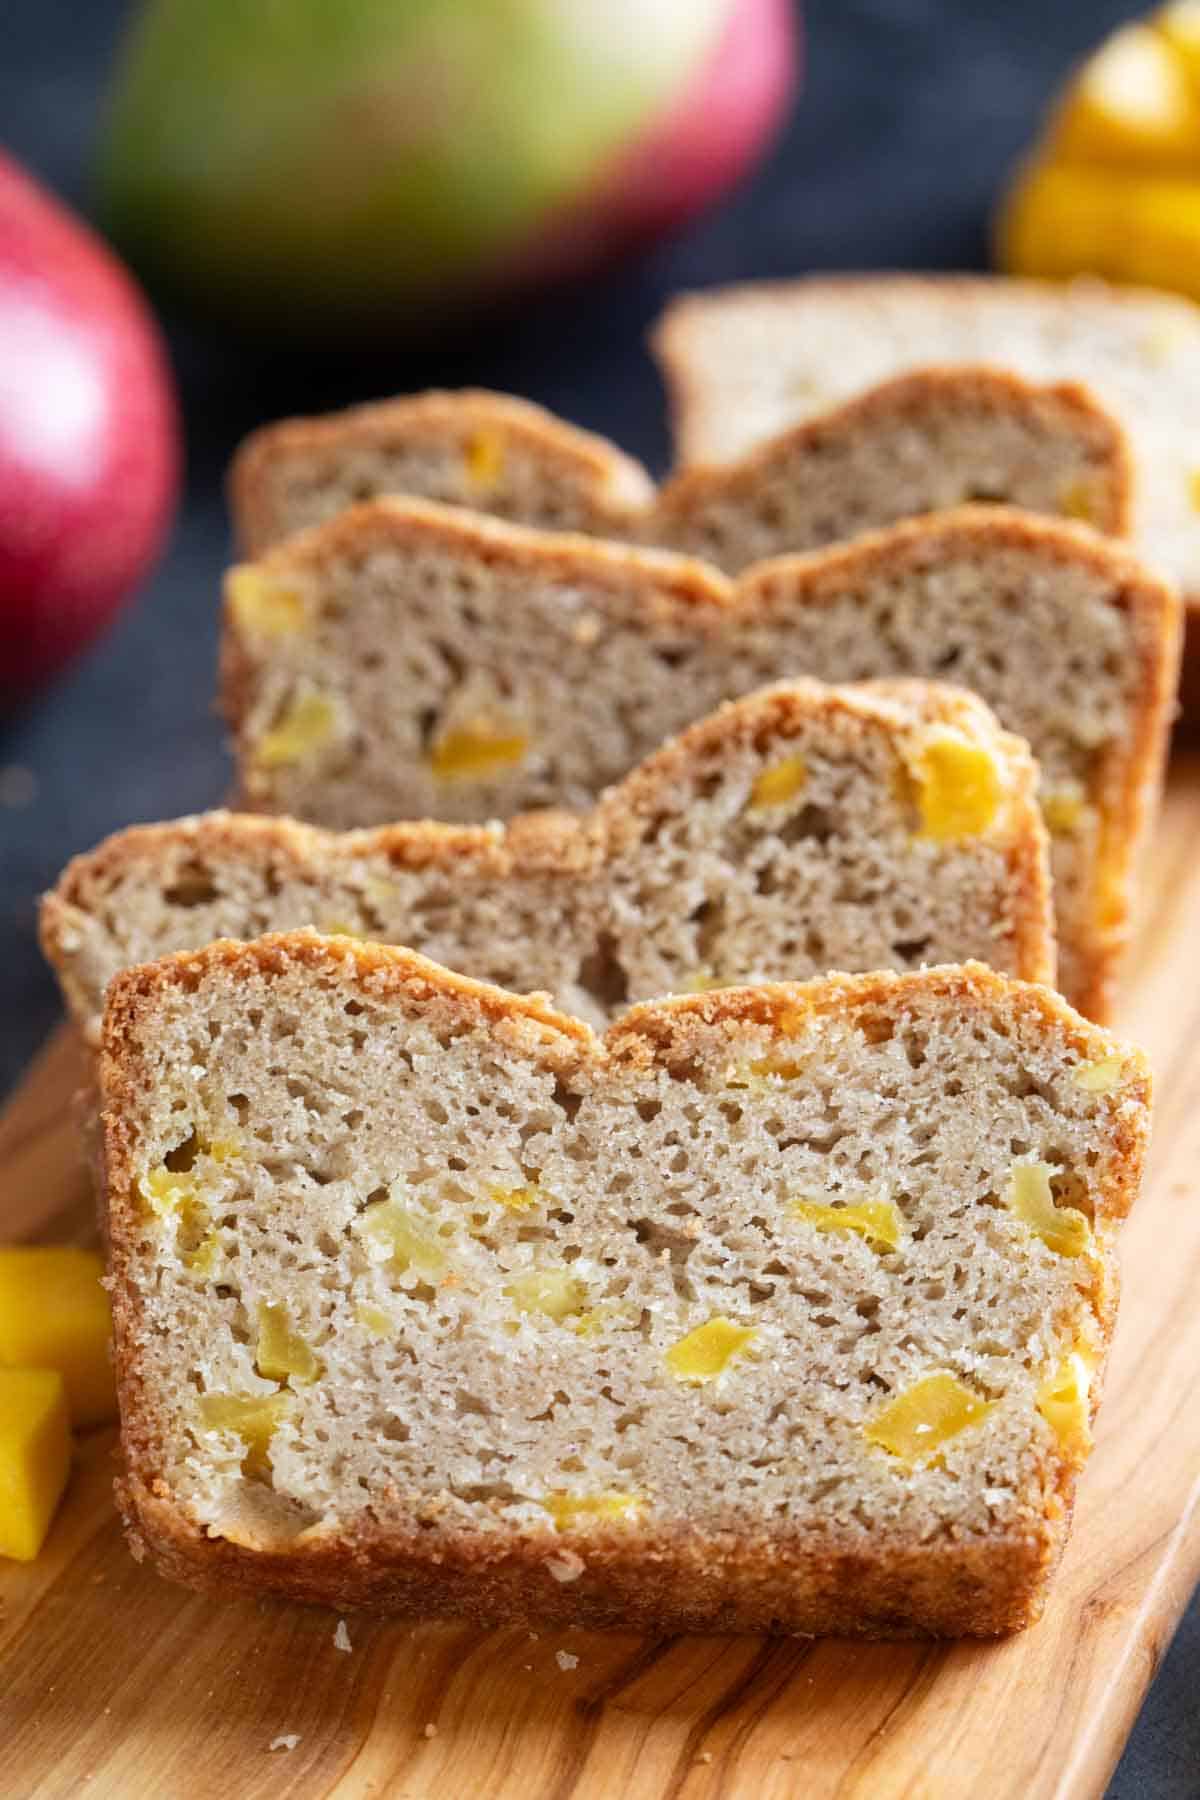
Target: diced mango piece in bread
x=707, y=1351
x=916, y=1424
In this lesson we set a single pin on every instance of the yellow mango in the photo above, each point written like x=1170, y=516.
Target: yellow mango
x=54, y=1314
x=707, y=1351
x=254, y=1418
x=261, y=607
x=483, y=460
x=1102, y=1076
x=1066, y=220
x=1030, y=1197
x=1131, y=105
x=35, y=1457
x=914, y=1426
x=518, y=1199
x=1063, y=1401
x=1063, y=808
x=470, y=754
x=554, y=1292
x=282, y=1352
x=405, y=1239
x=877, y=1220
x=307, y=724
x=959, y=788
x=572, y=1510
x=373, y=1319
x=779, y=784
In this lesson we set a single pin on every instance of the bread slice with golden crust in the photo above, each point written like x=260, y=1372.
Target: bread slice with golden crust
x=778, y=1309
x=928, y=440
x=800, y=829
x=409, y=660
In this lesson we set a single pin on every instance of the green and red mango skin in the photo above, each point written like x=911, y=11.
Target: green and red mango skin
x=89, y=435
x=328, y=169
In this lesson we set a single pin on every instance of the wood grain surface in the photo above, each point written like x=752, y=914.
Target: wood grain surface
x=114, y=1683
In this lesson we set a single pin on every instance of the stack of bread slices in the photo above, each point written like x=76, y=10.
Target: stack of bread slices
x=621, y=1126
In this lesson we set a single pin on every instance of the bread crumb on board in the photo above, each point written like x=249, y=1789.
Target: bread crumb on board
x=287, y=1741
x=431, y=1730
x=565, y=1660
x=341, y=1637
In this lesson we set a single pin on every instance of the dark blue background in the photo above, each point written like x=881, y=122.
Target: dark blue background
x=913, y=111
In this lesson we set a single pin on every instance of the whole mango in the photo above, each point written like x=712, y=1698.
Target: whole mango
x=326, y=168
x=89, y=435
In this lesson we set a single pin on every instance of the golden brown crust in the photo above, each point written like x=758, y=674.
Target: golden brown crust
x=660, y=1583
x=665, y=1580
x=568, y=846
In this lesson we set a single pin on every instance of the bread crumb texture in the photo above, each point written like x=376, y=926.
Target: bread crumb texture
x=669, y=1388
x=800, y=829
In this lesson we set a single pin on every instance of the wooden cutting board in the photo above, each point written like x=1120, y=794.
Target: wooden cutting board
x=114, y=1683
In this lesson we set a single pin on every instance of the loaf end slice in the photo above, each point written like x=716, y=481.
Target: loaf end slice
x=777, y=1309
x=799, y=829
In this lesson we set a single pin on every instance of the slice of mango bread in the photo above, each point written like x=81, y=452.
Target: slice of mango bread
x=800, y=829
x=782, y=1308
x=926, y=440
x=408, y=660
x=744, y=363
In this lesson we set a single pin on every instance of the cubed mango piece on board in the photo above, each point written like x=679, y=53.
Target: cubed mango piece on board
x=35, y=1457
x=54, y=1314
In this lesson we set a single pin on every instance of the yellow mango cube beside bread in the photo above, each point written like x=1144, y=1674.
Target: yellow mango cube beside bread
x=35, y=1457
x=54, y=1314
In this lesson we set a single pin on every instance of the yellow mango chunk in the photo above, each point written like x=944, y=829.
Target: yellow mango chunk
x=306, y=725
x=54, y=1314
x=373, y=1319
x=402, y=1238
x=465, y=755
x=261, y=607
x=1079, y=499
x=1064, y=808
x=706, y=1352
x=1102, y=1076
x=877, y=1220
x=927, y=1415
x=1179, y=24
x=959, y=788
x=518, y=1199
x=483, y=459
x=282, y=1352
x=1194, y=490
x=35, y=1457
x=554, y=1292
x=206, y=1257
x=1031, y=1198
x=1063, y=1401
x=778, y=784
x=254, y=1418
x=1066, y=220
x=1130, y=104
x=571, y=1510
